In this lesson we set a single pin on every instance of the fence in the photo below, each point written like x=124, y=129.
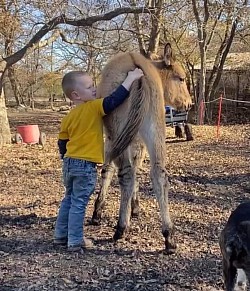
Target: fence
x=220, y=106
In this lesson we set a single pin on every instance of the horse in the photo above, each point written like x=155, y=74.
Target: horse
x=140, y=122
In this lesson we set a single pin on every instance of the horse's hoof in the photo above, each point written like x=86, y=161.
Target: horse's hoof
x=169, y=252
x=170, y=248
x=189, y=138
x=135, y=214
x=95, y=221
x=119, y=233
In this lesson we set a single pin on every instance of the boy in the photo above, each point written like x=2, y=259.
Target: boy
x=81, y=147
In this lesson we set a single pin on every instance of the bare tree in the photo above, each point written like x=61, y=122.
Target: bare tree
x=149, y=36
x=9, y=31
x=208, y=16
x=6, y=62
x=235, y=16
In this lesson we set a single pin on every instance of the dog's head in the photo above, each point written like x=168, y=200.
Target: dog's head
x=236, y=246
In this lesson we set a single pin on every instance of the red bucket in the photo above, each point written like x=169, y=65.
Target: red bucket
x=29, y=133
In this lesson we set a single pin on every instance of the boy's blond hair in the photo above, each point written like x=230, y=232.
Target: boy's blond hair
x=68, y=81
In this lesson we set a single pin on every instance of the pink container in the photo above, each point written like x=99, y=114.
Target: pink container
x=30, y=133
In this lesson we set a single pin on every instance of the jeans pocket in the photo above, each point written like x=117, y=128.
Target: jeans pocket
x=84, y=184
x=82, y=168
x=94, y=175
x=64, y=172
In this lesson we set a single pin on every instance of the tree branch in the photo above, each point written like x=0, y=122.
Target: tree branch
x=213, y=28
x=195, y=10
x=48, y=41
x=206, y=11
x=156, y=19
x=62, y=19
x=81, y=43
x=200, y=25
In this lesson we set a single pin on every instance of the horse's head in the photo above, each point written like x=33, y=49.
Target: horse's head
x=174, y=81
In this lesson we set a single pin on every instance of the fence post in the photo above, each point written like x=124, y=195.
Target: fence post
x=201, y=112
x=219, y=116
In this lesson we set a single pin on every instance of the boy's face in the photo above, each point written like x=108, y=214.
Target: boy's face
x=84, y=89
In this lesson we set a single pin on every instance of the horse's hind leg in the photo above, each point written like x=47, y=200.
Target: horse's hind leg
x=107, y=173
x=106, y=178
x=135, y=208
x=138, y=150
x=178, y=131
x=126, y=176
x=155, y=142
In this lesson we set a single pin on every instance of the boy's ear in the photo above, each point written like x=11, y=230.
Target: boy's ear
x=74, y=95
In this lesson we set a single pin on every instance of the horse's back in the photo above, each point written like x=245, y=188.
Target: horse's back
x=114, y=73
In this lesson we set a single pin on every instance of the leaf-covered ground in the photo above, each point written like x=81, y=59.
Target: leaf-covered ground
x=208, y=179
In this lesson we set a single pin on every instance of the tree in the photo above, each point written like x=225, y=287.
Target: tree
x=148, y=37
x=178, y=23
x=208, y=16
x=6, y=62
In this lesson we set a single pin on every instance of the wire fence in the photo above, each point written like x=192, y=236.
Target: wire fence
x=202, y=109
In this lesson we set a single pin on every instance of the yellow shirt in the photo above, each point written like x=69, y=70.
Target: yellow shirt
x=83, y=126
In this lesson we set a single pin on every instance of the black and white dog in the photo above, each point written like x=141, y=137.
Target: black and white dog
x=235, y=248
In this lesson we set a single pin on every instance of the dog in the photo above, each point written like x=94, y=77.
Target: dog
x=235, y=249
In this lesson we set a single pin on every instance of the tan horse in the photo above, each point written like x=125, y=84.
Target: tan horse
x=140, y=120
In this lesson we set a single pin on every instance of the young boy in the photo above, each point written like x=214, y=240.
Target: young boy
x=81, y=146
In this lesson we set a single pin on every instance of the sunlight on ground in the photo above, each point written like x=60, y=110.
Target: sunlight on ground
x=207, y=179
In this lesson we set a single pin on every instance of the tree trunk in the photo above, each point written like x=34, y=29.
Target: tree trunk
x=225, y=51
x=202, y=84
x=156, y=22
x=156, y=18
x=191, y=81
x=15, y=86
x=5, y=136
x=216, y=73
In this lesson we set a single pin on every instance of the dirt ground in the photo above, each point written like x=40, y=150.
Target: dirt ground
x=208, y=179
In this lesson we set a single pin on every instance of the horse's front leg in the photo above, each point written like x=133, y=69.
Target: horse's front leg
x=106, y=178
x=161, y=187
x=154, y=138
x=126, y=176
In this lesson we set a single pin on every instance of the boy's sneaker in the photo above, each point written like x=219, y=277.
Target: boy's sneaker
x=86, y=244
x=61, y=241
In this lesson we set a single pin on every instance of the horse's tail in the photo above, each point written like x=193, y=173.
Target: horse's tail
x=140, y=93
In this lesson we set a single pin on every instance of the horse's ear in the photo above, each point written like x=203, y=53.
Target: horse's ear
x=143, y=52
x=168, y=56
x=150, y=56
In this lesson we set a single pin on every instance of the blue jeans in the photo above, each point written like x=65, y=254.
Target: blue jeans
x=79, y=177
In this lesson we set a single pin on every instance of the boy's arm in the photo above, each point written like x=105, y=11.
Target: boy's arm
x=115, y=99
x=63, y=137
x=62, y=143
x=122, y=92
